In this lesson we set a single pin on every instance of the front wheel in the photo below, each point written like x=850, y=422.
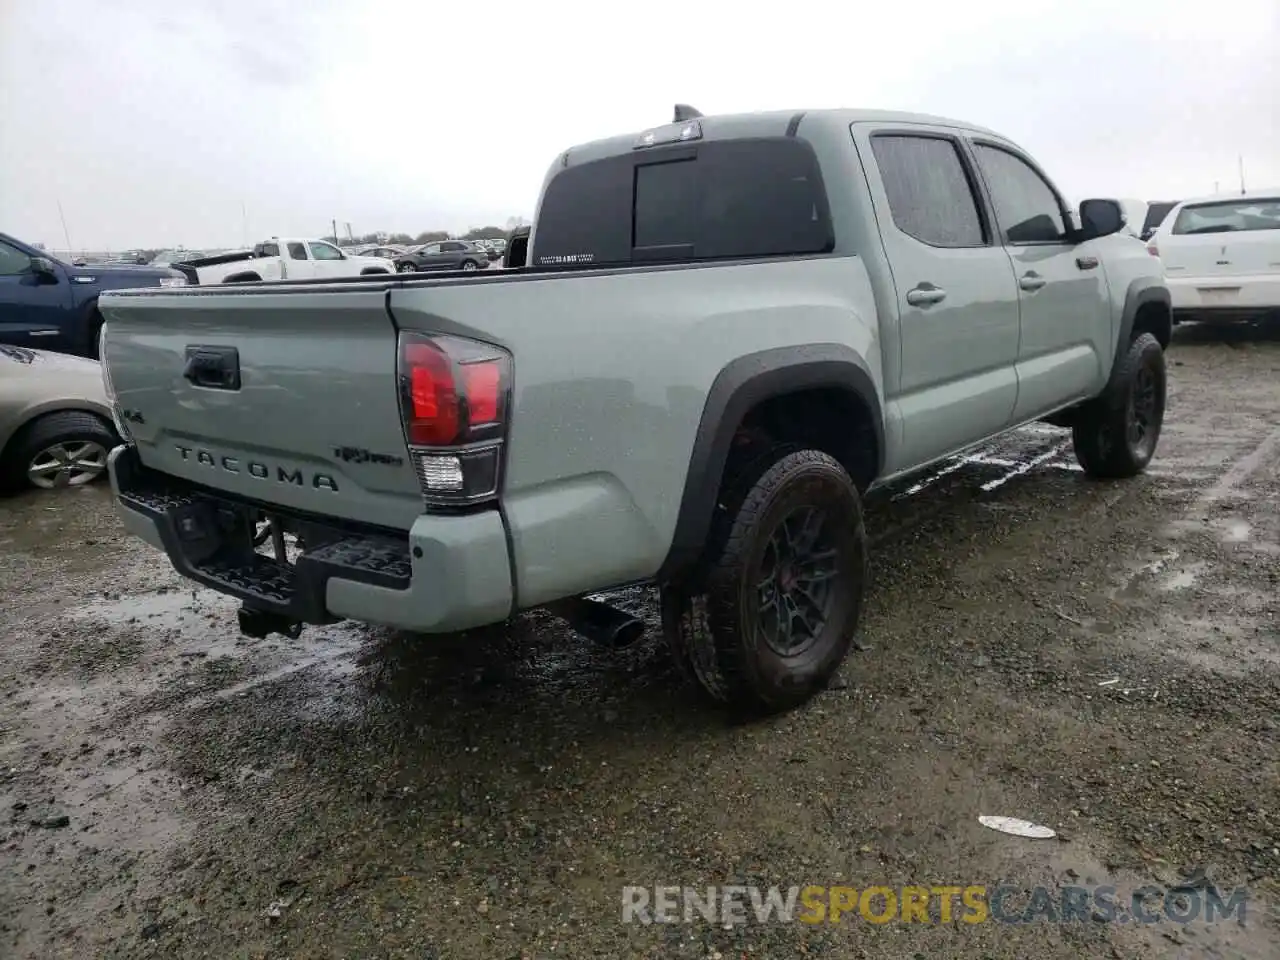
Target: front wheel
x=1116, y=436
x=783, y=594
x=470, y=265
x=406, y=267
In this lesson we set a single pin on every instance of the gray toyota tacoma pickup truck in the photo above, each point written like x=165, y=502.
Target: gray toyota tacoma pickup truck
x=727, y=332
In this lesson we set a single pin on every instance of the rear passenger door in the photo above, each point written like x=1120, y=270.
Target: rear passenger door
x=451, y=255
x=1065, y=306
x=957, y=299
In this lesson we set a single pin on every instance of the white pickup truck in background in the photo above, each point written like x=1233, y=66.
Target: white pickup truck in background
x=281, y=258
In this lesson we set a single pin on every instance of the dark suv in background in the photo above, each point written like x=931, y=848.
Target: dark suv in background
x=443, y=255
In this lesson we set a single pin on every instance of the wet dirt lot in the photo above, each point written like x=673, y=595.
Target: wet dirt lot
x=1101, y=658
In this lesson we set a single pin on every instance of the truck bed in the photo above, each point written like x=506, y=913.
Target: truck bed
x=318, y=363
x=437, y=277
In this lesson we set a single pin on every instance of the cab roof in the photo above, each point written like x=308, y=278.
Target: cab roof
x=770, y=123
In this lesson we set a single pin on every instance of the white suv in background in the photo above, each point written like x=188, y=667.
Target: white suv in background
x=1221, y=256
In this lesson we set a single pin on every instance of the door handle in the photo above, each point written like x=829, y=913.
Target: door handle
x=925, y=295
x=1032, y=281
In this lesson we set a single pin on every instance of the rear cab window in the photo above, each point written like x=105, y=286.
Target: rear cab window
x=1228, y=216
x=716, y=200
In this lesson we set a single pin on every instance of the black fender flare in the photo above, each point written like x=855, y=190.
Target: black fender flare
x=743, y=384
x=247, y=276
x=1141, y=291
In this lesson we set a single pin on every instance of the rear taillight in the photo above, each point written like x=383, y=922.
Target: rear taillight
x=454, y=395
x=1152, y=248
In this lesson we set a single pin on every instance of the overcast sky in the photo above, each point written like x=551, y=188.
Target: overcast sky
x=163, y=123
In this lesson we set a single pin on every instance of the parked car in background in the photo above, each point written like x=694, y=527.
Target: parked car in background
x=443, y=255
x=1222, y=256
x=389, y=252
x=515, y=249
x=1134, y=213
x=1157, y=210
x=485, y=246
x=133, y=257
x=55, y=423
x=180, y=255
x=47, y=303
x=282, y=258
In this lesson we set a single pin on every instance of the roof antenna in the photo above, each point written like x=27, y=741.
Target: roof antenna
x=685, y=112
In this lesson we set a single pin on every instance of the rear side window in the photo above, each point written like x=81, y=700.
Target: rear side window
x=1229, y=216
x=930, y=195
x=717, y=200
x=297, y=251
x=271, y=250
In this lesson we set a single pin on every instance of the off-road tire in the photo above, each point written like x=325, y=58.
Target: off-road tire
x=716, y=632
x=1108, y=444
x=60, y=427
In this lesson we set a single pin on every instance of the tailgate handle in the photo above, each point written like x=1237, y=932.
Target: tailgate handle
x=217, y=368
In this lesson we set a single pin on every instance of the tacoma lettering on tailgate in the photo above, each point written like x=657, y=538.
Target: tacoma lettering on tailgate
x=258, y=469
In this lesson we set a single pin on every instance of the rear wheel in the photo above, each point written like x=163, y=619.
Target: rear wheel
x=405, y=267
x=470, y=265
x=65, y=449
x=783, y=593
x=1116, y=436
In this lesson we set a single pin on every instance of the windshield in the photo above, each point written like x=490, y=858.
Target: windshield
x=1229, y=216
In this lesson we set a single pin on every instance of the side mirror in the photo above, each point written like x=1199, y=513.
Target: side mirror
x=1100, y=218
x=43, y=267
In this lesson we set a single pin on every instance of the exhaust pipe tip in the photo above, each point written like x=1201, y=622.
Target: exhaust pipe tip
x=604, y=625
x=627, y=633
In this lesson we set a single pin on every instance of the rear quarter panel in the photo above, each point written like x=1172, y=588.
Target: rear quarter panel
x=611, y=375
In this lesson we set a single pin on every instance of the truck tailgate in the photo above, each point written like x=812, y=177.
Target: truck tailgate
x=283, y=396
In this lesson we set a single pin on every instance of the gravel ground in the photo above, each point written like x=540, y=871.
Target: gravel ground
x=172, y=790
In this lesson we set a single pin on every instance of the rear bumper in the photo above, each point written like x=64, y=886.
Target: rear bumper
x=448, y=573
x=1225, y=297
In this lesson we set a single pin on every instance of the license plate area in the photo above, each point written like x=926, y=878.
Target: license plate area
x=1218, y=295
